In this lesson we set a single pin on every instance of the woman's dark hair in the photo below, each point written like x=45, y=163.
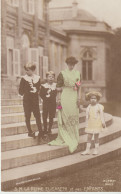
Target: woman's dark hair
x=71, y=60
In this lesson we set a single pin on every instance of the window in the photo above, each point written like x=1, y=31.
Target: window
x=28, y=6
x=87, y=66
x=14, y=3
x=87, y=70
x=13, y=62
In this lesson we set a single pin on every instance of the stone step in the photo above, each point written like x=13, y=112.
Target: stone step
x=55, y=167
x=14, y=101
x=22, y=140
x=13, y=109
x=9, y=102
x=7, y=84
x=11, y=89
x=9, y=96
x=15, y=118
x=20, y=128
x=40, y=153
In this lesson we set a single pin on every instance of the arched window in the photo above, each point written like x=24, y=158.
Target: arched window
x=87, y=65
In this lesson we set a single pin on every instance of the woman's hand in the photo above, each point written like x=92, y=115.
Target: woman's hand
x=78, y=103
x=58, y=102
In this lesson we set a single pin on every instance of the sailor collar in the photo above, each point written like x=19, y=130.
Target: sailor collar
x=35, y=78
x=52, y=86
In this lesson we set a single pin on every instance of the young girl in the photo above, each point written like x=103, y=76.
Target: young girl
x=29, y=88
x=48, y=95
x=94, y=121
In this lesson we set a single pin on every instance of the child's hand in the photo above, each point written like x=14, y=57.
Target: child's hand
x=78, y=103
x=103, y=125
x=34, y=90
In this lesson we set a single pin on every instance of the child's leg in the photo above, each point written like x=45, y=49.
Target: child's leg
x=52, y=111
x=89, y=138
x=50, y=123
x=96, y=139
x=36, y=112
x=27, y=110
x=45, y=115
x=27, y=120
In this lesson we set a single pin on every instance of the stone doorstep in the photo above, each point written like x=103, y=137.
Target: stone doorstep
x=18, y=117
x=59, y=166
x=19, y=128
x=9, y=91
x=40, y=153
x=9, y=96
x=9, y=102
x=6, y=110
x=13, y=109
x=22, y=140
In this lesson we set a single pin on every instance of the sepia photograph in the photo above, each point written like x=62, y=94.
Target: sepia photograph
x=60, y=95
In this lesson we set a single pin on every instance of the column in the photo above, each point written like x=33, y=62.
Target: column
x=3, y=38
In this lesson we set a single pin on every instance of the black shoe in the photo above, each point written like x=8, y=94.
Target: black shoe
x=32, y=134
x=49, y=132
x=45, y=132
x=40, y=135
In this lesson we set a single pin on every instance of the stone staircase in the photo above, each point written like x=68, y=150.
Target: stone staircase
x=24, y=159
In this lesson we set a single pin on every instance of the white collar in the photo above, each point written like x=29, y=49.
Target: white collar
x=52, y=86
x=35, y=78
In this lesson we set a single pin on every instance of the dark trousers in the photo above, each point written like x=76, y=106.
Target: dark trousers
x=29, y=107
x=48, y=110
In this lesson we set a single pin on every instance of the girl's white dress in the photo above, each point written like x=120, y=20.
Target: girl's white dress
x=94, y=118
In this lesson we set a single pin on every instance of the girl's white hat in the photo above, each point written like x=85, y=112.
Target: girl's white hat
x=95, y=93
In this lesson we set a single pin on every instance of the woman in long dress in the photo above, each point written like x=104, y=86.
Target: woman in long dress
x=68, y=97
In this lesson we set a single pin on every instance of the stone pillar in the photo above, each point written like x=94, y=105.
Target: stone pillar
x=47, y=29
x=3, y=38
x=18, y=35
x=36, y=23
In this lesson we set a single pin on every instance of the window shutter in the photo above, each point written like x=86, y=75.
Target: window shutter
x=16, y=62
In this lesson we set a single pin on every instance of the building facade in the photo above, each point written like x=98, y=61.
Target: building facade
x=31, y=31
x=89, y=41
x=25, y=35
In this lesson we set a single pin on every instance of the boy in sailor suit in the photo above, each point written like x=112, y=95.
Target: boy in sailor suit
x=48, y=94
x=29, y=88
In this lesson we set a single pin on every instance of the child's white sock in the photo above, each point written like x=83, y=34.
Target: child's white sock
x=96, y=150
x=87, y=151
